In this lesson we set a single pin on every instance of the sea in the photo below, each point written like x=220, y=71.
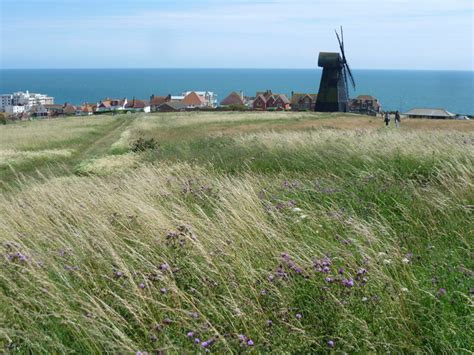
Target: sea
x=396, y=89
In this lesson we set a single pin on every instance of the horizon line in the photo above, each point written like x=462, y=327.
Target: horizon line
x=229, y=68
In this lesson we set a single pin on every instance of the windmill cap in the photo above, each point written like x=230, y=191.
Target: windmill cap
x=330, y=60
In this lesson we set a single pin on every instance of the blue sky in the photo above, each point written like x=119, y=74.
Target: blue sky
x=379, y=34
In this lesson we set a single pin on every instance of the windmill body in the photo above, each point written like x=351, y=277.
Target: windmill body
x=333, y=95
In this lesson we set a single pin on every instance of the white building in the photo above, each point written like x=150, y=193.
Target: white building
x=25, y=99
x=5, y=100
x=14, y=109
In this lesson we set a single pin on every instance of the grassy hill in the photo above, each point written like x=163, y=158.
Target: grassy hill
x=233, y=232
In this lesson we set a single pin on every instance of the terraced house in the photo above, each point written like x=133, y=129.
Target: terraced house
x=268, y=101
x=303, y=102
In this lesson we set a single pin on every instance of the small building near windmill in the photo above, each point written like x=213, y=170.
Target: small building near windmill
x=303, y=101
x=433, y=113
x=234, y=100
x=365, y=104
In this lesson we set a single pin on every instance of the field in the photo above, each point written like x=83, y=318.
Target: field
x=235, y=233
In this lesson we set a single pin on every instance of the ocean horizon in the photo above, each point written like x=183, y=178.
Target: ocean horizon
x=396, y=89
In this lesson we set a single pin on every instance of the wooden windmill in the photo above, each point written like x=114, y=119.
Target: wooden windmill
x=333, y=93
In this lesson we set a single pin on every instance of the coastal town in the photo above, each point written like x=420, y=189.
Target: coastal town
x=26, y=105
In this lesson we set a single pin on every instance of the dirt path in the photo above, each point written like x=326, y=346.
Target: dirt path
x=102, y=145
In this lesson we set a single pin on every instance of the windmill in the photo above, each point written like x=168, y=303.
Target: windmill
x=333, y=93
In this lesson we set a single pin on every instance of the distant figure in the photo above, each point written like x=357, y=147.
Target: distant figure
x=397, y=119
x=387, y=119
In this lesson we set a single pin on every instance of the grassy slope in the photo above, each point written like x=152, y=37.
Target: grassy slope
x=257, y=205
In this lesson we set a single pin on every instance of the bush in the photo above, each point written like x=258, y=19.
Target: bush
x=141, y=145
x=3, y=119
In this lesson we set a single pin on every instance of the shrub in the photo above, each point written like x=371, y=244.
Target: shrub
x=3, y=119
x=141, y=145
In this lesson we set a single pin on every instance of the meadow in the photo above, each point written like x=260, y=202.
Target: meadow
x=236, y=233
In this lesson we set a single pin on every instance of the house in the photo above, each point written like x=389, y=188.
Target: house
x=156, y=101
x=108, y=105
x=193, y=100
x=435, y=113
x=365, y=104
x=260, y=103
x=171, y=106
x=278, y=102
x=209, y=97
x=69, y=109
x=303, y=101
x=234, y=99
x=85, y=110
x=138, y=106
x=269, y=101
x=52, y=110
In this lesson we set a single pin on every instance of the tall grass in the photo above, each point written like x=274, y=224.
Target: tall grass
x=285, y=242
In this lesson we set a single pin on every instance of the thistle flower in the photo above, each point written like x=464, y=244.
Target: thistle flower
x=348, y=282
x=164, y=267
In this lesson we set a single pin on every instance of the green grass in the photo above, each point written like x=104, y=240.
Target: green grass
x=246, y=210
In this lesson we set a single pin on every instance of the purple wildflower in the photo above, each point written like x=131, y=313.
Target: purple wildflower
x=118, y=274
x=190, y=334
x=298, y=316
x=326, y=269
x=164, y=267
x=242, y=337
x=271, y=278
x=329, y=279
x=348, y=282
x=286, y=256
x=263, y=292
x=250, y=342
x=442, y=291
x=142, y=286
x=197, y=341
x=167, y=321
x=269, y=322
x=331, y=343
x=164, y=290
x=341, y=271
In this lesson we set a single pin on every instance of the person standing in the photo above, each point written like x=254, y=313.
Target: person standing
x=387, y=118
x=397, y=119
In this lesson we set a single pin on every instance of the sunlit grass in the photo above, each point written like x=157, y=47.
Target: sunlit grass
x=297, y=240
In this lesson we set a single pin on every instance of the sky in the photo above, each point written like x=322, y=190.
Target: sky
x=379, y=34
